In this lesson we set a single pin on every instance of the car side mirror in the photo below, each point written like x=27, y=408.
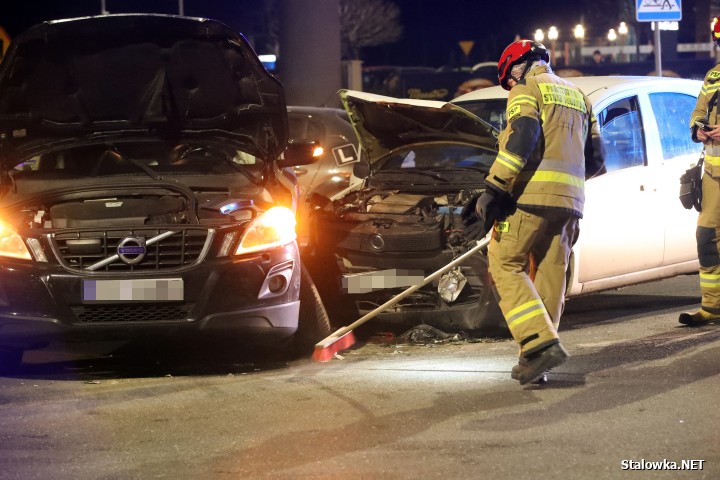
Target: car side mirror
x=361, y=169
x=300, y=152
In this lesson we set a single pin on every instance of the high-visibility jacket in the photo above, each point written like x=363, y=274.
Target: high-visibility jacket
x=706, y=111
x=544, y=158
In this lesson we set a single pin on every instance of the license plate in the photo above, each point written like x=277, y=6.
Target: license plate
x=136, y=290
x=380, y=280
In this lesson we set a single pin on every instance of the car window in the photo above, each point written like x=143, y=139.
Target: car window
x=305, y=126
x=672, y=111
x=126, y=157
x=439, y=156
x=622, y=131
x=492, y=111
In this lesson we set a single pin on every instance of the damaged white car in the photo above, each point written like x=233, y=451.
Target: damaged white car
x=423, y=160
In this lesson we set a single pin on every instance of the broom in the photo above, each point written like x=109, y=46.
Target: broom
x=343, y=338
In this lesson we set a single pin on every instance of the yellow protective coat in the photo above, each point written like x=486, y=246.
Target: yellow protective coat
x=708, y=224
x=542, y=164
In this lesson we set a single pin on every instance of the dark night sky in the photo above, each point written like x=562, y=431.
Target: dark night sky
x=432, y=28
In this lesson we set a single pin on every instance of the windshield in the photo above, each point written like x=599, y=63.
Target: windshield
x=490, y=110
x=139, y=158
x=437, y=157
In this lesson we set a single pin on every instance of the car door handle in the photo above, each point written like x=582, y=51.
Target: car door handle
x=300, y=171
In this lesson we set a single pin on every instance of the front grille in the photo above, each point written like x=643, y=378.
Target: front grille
x=120, y=313
x=399, y=239
x=77, y=250
x=391, y=243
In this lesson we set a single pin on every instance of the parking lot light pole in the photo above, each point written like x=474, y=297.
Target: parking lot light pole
x=552, y=36
x=612, y=36
x=622, y=31
x=579, y=33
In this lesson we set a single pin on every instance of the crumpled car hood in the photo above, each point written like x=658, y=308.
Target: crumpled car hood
x=114, y=73
x=386, y=123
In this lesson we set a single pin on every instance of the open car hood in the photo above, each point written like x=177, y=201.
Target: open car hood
x=115, y=73
x=386, y=123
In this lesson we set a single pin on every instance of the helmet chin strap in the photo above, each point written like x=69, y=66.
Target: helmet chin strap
x=528, y=64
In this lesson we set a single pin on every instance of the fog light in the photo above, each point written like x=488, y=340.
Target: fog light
x=277, y=280
x=276, y=283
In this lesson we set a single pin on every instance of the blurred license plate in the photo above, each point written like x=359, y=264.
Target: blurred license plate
x=137, y=290
x=381, y=279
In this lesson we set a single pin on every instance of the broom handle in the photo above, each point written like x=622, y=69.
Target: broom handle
x=480, y=245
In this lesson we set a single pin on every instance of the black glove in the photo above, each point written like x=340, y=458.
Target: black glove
x=480, y=212
x=467, y=214
x=476, y=230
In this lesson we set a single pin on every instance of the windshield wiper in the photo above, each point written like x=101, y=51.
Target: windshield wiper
x=491, y=129
x=427, y=173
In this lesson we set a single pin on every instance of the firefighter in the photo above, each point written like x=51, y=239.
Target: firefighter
x=707, y=233
x=534, y=195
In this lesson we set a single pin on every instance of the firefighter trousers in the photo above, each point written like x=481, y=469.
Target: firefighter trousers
x=708, y=244
x=532, y=301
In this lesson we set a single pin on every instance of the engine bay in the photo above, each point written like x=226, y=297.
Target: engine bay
x=395, y=210
x=123, y=208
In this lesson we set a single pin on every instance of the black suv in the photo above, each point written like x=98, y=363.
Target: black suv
x=143, y=186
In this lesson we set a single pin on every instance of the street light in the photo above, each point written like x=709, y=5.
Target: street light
x=539, y=35
x=622, y=31
x=579, y=33
x=552, y=36
x=611, y=36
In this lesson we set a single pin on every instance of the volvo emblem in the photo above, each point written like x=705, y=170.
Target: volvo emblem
x=132, y=250
x=377, y=243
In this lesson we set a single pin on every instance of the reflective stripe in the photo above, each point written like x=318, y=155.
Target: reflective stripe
x=552, y=176
x=712, y=160
x=573, y=168
x=525, y=312
x=523, y=99
x=709, y=280
x=562, y=95
x=709, y=88
x=694, y=119
x=510, y=161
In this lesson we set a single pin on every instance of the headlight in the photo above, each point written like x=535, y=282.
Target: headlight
x=273, y=228
x=11, y=244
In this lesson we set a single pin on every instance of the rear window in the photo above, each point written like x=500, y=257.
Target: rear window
x=305, y=126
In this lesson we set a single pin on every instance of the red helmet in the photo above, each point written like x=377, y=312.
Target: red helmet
x=518, y=52
x=715, y=28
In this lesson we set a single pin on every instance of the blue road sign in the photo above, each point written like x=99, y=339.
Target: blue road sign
x=658, y=10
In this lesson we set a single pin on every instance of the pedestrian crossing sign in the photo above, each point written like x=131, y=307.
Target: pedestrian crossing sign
x=658, y=10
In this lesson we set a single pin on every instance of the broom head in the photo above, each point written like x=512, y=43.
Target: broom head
x=326, y=349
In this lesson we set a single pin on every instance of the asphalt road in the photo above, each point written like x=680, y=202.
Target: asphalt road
x=638, y=389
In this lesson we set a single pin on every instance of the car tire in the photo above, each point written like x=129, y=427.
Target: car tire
x=10, y=359
x=313, y=321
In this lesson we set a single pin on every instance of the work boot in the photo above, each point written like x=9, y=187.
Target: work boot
x=695, y=319
x=522, y=364
x=539, y=363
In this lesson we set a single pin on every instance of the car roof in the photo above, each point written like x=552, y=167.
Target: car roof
x=591, y=86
